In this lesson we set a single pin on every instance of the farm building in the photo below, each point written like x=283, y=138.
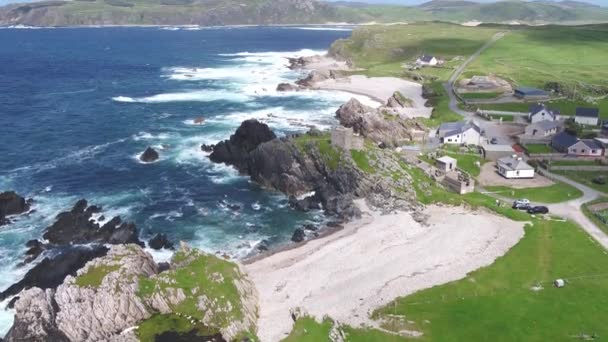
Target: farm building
x=562, y=141
x=514, y=167
x=586, y=148
x=587, y=116
x=496, y=151
x=462, y=132
x=540, y=112
x=543, y=129
x=446, y=164
x=425, y=60
x=526, y=93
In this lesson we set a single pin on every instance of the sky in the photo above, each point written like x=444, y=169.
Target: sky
x=400, y=2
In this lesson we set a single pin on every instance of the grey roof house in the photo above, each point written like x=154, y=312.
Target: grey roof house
x=540, y=112
x=562, y=141
x=543, y=129
x=530, y=93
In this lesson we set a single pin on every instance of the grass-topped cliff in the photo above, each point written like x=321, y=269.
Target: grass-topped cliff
x=263, y=12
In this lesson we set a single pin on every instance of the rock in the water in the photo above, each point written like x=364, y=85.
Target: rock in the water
x=51, y=272
x=76, y=227
x=149, y=156
x=298, y=235
x=199, y=121
x=207, y=148
x=160, y=241
x=11, y=204
x=247, y=137
x=34, y=249
x=287, y=87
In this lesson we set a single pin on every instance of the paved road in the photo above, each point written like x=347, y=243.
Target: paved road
x=571, y=209
x=449, y=87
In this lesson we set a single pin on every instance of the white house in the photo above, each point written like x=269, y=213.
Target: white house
x=587, y=116
x=460, y=133
x=425, y=60
x=543, y=129
x=540, y=112
x=514, y=167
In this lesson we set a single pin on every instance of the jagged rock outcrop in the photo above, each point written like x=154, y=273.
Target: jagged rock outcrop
x=298, y=235
x=11, y=204
x=160, y=241
x=314, y=77
x=112, y=294
x=150, y=155
x=51, y=271
x=287, y=87
x=247, y=137
x=398, y=101
x=381, y=127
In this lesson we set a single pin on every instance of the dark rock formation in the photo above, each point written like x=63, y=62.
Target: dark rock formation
x=298, y=235
x=51, y=272
x=207, y=148
x=76, y=227
x=287, y=87
x=149, y=156
x=11, y=204
x=247, y=137
x=35, y=248
x=160, y=241
x=397, y=100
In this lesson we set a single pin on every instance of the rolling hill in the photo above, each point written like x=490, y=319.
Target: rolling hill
x=265, y=12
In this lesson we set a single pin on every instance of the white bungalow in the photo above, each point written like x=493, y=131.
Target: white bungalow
x=514, y=167
x=426, y=60
x=460, y=133
x=540, y=112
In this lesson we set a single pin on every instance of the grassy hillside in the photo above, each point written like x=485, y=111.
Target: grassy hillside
x=234, y=12
x=573, y=57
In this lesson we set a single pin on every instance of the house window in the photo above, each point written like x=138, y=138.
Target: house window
x=594, y=151
x=573, y=150
x=449, y=140
x=582, y=151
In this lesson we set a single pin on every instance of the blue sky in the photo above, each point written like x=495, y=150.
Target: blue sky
x=401, y=2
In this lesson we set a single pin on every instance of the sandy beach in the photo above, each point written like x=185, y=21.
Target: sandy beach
x=379, y=89
x=374, y=260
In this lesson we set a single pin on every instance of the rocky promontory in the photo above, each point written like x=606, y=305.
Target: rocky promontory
x=311, y=170
x=124, y=297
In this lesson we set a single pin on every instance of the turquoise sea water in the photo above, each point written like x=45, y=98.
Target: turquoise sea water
x=77, y=106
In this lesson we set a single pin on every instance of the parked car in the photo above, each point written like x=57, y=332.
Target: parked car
x=538, y=210
x=522, y=206
x=494, y=141
x=521, y=201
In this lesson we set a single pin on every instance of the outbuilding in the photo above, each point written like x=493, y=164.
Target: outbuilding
x=587, y=116
x=562, y=141
x=543, y=129
x=425, y=60
x=446, y=164
x=460, y=133
x=527, y=93
x=514, y=167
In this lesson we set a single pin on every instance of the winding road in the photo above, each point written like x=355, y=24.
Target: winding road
x=449, y=86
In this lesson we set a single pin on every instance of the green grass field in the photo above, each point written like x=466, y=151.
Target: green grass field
x=573, y=57
x=479, y=96
x=600, y=219
x=538, y=148
x=574, y=163
x=565, y=107
x=556, y=193
x=586, y=178
x=497, y=303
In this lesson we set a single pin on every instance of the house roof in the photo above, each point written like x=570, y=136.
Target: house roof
x=514, y=164
x=592, y=144
x=453, y=128
x=446, y=160
x=546, y=125
x=530, y=91
x=426, y=58
x=587, y=112
x=564, y=139
x=537, y=108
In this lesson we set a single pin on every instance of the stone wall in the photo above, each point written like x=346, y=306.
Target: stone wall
x=345, y=139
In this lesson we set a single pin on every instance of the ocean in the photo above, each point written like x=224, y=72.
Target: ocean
x=77, y=107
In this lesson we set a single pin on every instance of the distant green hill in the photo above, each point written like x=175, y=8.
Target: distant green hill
x=264, y=12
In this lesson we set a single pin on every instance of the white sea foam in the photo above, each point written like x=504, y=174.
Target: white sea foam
x=163, y=255
x=189, y=96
